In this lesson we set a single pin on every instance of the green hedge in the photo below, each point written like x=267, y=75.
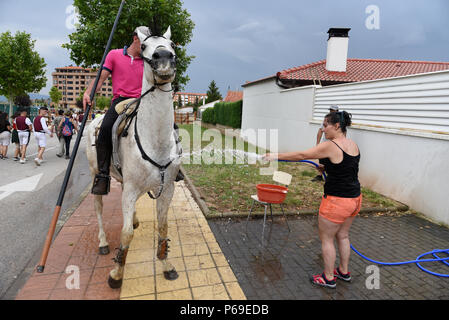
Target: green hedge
x=208, y=116
x=225, y=113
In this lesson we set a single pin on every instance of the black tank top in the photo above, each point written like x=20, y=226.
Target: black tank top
x=342, y=179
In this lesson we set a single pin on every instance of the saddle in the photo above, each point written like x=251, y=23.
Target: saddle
x=126, y=110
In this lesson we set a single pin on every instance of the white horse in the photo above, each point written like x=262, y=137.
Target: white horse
x=141, y=154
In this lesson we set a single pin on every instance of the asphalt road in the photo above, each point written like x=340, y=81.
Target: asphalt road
x=25, y=215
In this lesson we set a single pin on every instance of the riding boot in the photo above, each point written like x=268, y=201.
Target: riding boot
x=102, y=180
x=102, y=184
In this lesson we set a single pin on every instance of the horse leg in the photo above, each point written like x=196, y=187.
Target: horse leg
x=163, y=204
x=129, y=198
x=104, y=246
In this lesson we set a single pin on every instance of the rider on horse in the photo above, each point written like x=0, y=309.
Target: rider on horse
x=126, y=68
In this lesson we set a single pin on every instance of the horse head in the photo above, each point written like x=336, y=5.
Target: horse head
x=158, y=52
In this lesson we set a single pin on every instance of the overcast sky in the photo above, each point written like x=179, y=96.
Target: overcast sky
x=237, y=41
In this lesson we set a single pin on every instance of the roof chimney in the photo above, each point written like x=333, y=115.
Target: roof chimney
x=337, y=49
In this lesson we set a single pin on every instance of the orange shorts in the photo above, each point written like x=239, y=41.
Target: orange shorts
x=337, y=209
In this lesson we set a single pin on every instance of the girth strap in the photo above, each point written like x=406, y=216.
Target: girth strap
x=161, y=168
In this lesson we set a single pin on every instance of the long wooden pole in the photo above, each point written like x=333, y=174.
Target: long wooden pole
x=51, y=230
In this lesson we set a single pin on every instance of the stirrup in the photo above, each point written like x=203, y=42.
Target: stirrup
x=179, y=177
x=102, y=184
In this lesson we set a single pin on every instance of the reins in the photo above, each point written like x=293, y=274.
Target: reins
x=162, y=168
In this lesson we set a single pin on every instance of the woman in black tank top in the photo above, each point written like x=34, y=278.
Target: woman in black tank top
x=342, y=198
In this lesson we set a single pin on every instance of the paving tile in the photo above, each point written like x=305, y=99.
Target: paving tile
x=235, y=291
x=226, y=274
x=44, y=282
x=144, y=297
x=220, y=259
x=215, y=292
x=164, y=285
x=34, y=294
x=139, y=270
x=183, y=294
x=137, y=287
x=178, y=264
x=137, y=256
x=196, y=249
x=204, y=277
x=101, y=291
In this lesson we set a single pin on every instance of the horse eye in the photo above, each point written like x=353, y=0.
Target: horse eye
x=143, y=47
x=173, y=45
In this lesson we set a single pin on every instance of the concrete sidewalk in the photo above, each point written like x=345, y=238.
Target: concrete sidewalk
x=204, y=273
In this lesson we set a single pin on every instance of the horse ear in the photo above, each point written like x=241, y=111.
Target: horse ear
x=167, y=34
x=141, y=36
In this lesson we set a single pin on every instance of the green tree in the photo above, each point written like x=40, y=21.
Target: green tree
x=22, y=100
x=86, y=44
x=22, y=70
x=213, y=94
x=103, y=102
x=55, y=96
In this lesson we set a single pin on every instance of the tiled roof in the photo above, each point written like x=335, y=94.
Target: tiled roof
x=362, y=70
x=234, y=96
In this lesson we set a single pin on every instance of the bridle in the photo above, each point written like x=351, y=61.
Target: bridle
x=150, y=62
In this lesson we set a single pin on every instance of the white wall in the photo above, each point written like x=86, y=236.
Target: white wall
x=401, y=127
x=265, y=106
x=419, y=102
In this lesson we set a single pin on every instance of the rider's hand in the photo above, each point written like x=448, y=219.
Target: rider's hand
x=86, y=100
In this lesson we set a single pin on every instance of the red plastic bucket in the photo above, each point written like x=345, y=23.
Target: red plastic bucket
x=271, y=193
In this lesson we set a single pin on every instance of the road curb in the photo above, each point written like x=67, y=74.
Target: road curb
x=209, y=216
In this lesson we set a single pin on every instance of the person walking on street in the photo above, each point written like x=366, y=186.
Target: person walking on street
x=58, y=132
x=342, y=199
x=5, y=135
x=319, y=138
x=15, y=136
x=67, y=127
x=40, y=129
x=24, y=128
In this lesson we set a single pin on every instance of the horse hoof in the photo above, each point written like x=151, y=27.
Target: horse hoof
x=136, y=225
x=103, y=250
x=171, y=275
x=114, y=284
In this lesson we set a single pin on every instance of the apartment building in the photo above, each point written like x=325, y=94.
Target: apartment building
x=187, y=98
x=71, y=81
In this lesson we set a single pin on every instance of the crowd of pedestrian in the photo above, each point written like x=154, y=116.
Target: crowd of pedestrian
x=18, y=131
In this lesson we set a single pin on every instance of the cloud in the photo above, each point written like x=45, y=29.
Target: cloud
x=49, y=46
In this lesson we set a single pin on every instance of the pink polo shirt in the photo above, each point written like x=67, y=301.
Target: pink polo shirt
x=127, y=73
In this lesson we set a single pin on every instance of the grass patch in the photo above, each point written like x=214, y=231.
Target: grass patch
x=228, y=187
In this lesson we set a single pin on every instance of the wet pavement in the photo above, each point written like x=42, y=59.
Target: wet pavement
x=75, y=271
x=279, y=267
x=227, y=259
